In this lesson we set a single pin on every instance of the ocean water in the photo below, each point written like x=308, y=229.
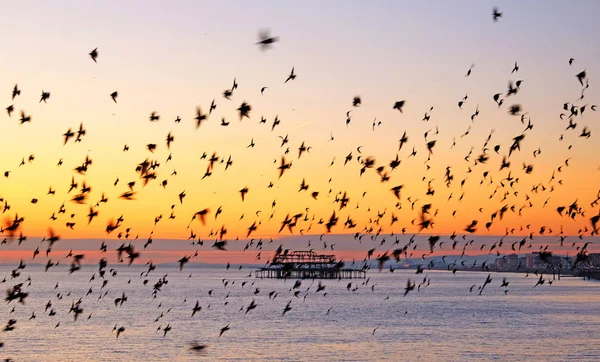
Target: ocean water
x=372, y=321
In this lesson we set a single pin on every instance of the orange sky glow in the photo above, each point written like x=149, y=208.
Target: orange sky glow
x=548, y=187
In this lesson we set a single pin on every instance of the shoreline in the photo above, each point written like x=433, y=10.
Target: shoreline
x=588, y=274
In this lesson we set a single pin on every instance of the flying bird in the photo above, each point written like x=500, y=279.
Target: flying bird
x=496, y=14
x=244, y=110
x=94, y=55
x=16, y=91
x=223, y=330
x=398, y=105
x=581, y=76
x=292, y=76
x=515, y=68
x=199, y=117
x=265, y=40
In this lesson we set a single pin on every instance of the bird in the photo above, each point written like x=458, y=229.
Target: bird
x=16, y=91
x=244, y=110
x=469, y=71
x=581, y=76
x=196, y=308
x=223, y=330
x=94, y=54
x=250, y=307
x=199, y=117
x=409, y=287
x=515, y=68
x=169, y=140
x=284, y=166
x=45, y=96
x=292, y=76
x=201, y=215
x=114, y=95
x=166, y=330
x=265, y=41
x=119, y=330
x=182, y=262
x=398, y=105
x=462, y=101
x=402, y=141
x=515, y=109
x=496, y=14
x=243, y=192
x=287, y=308
x=93, y=213
x=68, y=135
x=396, y=191
x=25, y=119
x=197, y=347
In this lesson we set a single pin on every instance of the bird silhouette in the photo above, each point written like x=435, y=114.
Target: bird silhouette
x=16, y=91
x=223, y=330
x=94, y=54
x=292, y=76
x=515, y=68
x=197, y=347
x=243, y=192
x=244, y=110
x=496, y=14
x=398, y=105
x=265, y=41
x=581, y=77
x=199, y=117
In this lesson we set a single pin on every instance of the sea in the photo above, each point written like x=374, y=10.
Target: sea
x=445, y=317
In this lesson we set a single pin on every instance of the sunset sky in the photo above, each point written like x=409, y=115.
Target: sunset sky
x=171, y=57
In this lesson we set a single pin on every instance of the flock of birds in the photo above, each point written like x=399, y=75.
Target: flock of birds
x=148, y=171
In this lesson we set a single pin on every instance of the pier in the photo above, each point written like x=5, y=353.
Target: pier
x=307, y=265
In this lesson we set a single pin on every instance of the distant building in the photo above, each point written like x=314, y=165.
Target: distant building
x=533, y=260
x=594, y=260
x=567, y=263
x=561, y=262
x=513, y=262
x=510, y=262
